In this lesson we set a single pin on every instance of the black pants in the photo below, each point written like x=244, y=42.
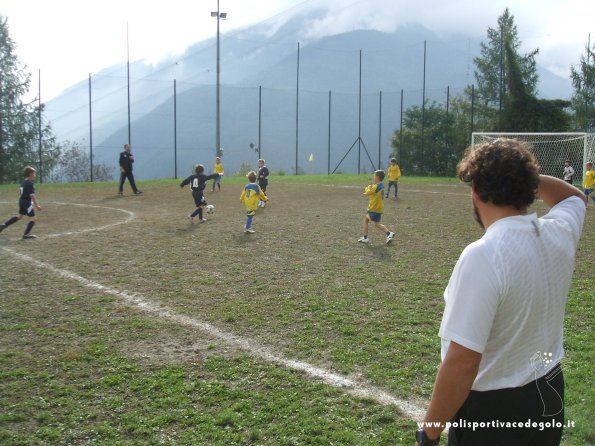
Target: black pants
x=123, y=176
x=263, y=185
x=199, y=199
x=533, y=408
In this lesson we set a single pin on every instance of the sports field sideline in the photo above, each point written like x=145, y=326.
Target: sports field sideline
x=125, y=324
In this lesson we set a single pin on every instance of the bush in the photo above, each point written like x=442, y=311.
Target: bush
x=244, y=169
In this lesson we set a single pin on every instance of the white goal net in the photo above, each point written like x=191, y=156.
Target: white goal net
x=552, y=149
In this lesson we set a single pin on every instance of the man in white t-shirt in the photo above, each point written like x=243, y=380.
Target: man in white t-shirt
x=502, y=326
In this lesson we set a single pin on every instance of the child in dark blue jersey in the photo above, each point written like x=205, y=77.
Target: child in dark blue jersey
x=27, y=203
x=263, y=180
x=197, y=184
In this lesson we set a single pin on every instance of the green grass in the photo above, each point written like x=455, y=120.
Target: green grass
x=79, y=366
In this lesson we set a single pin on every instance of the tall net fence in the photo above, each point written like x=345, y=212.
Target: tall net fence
x=172, y=125
x=553, y=149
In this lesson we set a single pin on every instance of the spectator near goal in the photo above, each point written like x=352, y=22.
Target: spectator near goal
x=568, y=172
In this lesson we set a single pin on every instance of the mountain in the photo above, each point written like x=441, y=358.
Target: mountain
x=259, y=75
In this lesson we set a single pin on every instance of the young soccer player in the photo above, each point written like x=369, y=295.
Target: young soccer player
x=251, y=196
x=375, y=208
x=568, y=172
x=217, y=168
x=197, y=184
x=27, y=204
x=263, y=180
x=393, y=175
x=589, y=182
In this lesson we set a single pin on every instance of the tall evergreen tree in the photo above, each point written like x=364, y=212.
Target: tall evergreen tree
x=490, y=72
x=522, y=111
x=583, y=99
x=19, y=120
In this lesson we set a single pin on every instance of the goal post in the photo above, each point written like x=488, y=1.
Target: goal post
x=552, y=149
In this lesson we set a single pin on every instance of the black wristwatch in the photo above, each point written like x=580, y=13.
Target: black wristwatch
x=422, y=438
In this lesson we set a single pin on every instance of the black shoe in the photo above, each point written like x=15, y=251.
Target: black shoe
x=138, y=192
x=29, y=236
x=2, y=226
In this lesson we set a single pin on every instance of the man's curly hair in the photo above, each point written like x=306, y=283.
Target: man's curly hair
x=503, y=171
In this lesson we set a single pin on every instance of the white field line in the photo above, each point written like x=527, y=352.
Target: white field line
x=131, y=216
x=350, y=386
x=409, y=409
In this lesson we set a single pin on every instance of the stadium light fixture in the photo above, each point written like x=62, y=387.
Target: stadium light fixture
x=218, y=15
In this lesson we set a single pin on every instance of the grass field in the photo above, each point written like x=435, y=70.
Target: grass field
x=125, y=324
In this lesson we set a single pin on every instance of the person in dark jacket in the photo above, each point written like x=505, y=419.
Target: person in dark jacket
x=126, y=161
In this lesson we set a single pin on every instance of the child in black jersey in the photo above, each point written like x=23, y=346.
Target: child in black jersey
x=197, y=184
x=27, y=203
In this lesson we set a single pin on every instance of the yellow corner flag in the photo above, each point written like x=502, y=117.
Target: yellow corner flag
x=311, y=157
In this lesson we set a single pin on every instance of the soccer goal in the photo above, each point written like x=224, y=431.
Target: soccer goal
x=552, y=149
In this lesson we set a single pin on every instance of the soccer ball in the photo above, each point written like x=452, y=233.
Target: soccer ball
x=210, y=209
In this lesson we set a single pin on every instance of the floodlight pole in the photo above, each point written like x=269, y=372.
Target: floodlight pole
x=219, y=15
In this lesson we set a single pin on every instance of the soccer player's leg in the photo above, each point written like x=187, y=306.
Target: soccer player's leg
x=31, y=214
x=364, y=237
x=10, y=221
x=248, y=226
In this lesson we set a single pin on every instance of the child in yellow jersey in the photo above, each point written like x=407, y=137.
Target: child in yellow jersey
x=375, y=208
x=217, y=168
x=589, y=182
x=251, y=195
x=393, y=175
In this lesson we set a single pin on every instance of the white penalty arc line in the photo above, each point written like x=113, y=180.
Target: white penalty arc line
x=350, y=386
x=130, y=216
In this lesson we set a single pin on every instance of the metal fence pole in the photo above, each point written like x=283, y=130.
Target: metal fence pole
x=328, y=169
x=380, y=131
x=297, y=108
x=259, y=118
x=90, y=130
x=175, y=131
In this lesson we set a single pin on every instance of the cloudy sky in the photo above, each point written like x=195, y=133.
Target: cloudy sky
x=68, y=39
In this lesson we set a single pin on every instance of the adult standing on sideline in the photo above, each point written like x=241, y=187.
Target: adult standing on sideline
x=502, y=326
x=126, y=162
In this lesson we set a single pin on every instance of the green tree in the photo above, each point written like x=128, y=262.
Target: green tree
x=19, y=120
x=444, y=139
x=583, y=98
x=490, y=72
x=522, y=111
x=74, y=165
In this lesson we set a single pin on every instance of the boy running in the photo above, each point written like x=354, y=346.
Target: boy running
x=197, y=184
x=375, y=208
x=251, y=196
x=27, y=204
